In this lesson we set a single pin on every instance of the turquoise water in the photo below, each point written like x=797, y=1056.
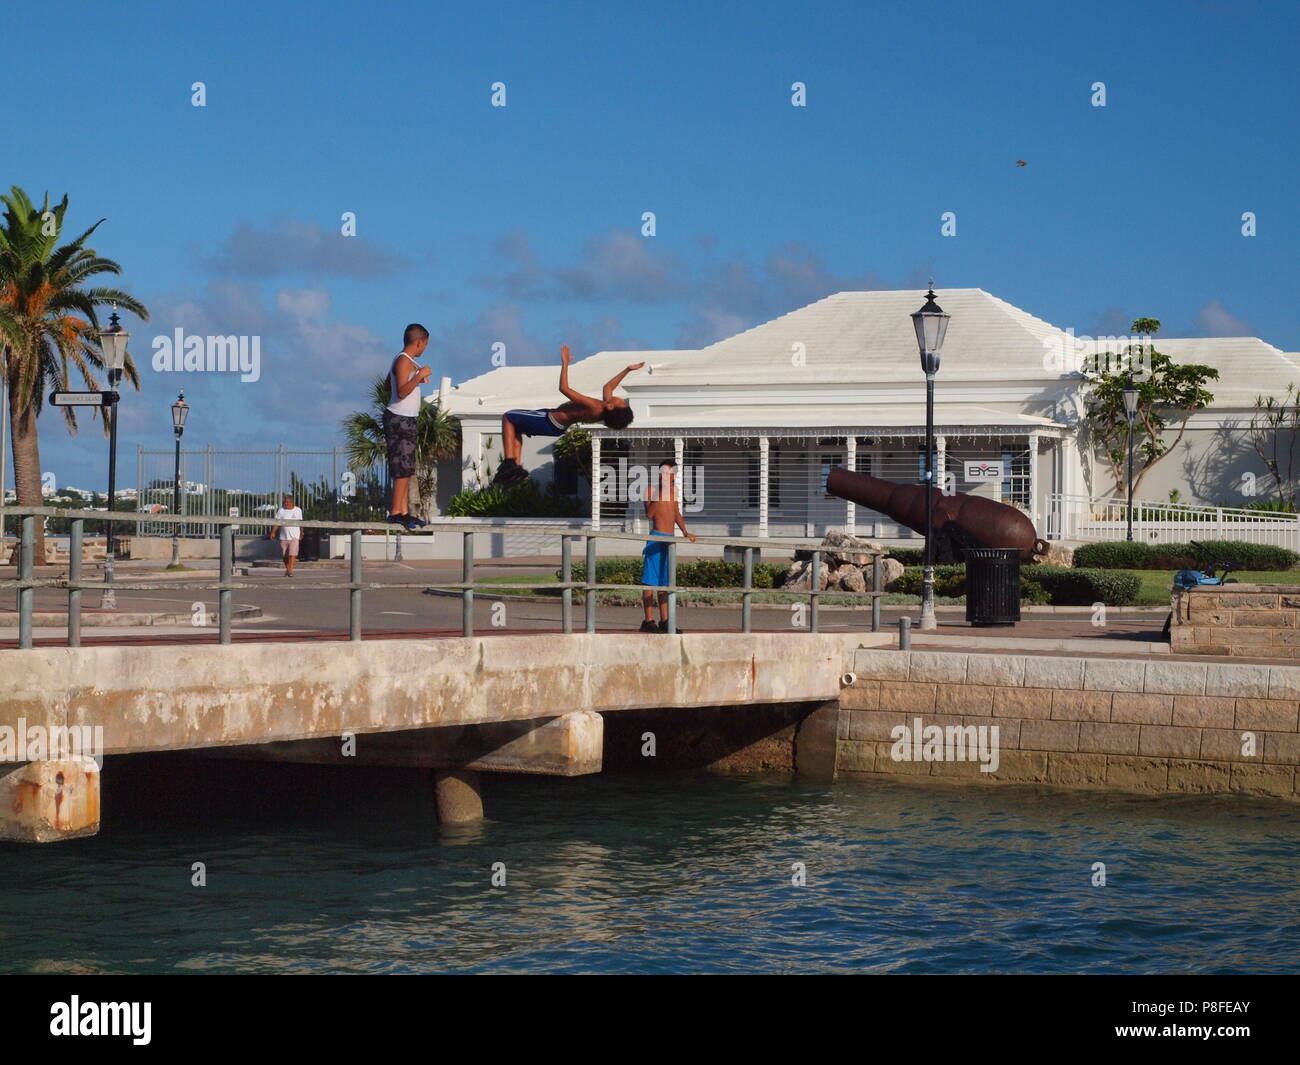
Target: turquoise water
x=652, y=873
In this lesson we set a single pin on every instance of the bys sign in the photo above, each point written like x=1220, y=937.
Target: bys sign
x=981, y=470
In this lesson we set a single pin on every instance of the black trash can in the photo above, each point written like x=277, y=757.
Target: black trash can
x=992, y=585
x=309, y=546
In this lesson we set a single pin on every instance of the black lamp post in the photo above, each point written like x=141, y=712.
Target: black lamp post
x=1130, y=412
x=112, y=342
x=180, y=409
x=931, y=324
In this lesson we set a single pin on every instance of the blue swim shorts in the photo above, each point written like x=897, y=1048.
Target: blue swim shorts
x=535, y=422
x=654, y=565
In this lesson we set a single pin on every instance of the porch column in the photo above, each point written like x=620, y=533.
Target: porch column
x=679, y=453
x=595, y=482
x=851, y=463
x=762, y=485
x=940, y=464
x=1033, y=479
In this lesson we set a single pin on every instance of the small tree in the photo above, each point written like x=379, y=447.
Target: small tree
x=575, y=446
x=1168, y=395
x=1274, y=429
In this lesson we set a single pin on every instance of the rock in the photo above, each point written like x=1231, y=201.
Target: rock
x=850, y=579
x=890, y=571
x=798, y=578
x=1058, y=554
x=851, y=549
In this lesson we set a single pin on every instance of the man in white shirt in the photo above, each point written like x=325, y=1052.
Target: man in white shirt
x=289, y=534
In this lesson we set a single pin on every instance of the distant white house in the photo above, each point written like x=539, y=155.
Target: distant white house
x=757, y=420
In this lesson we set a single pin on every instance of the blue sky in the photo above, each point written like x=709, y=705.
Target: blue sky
x=522, y=224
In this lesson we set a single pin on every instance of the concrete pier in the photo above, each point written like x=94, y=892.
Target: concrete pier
x=45, y=801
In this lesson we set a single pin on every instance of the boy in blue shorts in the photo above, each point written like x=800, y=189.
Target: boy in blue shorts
x=665, y=518
x=612, y=410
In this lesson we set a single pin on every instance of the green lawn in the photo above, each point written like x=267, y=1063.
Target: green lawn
x=1155, y=589
x=1156, y=583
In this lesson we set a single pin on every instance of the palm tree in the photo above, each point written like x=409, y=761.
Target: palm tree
x=437, y=437
x=49, y=324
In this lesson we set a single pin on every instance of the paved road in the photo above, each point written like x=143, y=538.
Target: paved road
x=290, y=605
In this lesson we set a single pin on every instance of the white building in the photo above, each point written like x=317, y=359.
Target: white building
x=758, y=419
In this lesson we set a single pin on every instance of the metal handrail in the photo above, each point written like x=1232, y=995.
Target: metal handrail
x=27, y=583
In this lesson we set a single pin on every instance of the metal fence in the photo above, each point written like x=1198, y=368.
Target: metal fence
x=26, y=583
x=251, y=484
x=1076, y=517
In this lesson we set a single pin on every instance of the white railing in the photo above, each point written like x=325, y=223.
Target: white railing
x=1077, y=517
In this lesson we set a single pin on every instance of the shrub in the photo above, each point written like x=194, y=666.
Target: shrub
x=908, y=556
x=524, y=500
x=1067, y=586
x=691, y=573
x=1121, y=554
x=1057, y=585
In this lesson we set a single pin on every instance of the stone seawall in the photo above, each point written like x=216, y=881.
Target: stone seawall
x=1237, y=620
x=1119, y=725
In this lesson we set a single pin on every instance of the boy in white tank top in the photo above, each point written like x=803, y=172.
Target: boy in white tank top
x=400, y=416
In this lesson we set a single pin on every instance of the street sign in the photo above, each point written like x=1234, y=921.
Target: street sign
x=83, y=399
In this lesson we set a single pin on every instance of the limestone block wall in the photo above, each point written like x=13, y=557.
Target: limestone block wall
x=1141, y=726
x=1238, y=620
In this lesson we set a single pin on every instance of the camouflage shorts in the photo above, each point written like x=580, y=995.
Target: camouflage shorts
x=399, y=435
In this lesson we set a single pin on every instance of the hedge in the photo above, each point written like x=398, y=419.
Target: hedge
x=1121, y=554
x=1057, y=585
x=691, y=573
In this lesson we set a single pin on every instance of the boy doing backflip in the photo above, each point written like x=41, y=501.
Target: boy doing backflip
x=610, y=409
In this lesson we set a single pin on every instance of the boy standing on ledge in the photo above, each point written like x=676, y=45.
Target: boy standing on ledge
x=612, y=410
x=665, y=518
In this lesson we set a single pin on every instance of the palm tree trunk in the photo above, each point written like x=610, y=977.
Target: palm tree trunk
x=27, y=461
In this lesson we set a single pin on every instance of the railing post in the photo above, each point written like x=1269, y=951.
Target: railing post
x=354, y=595
x=672, y=584
x=747, y=599
x=876, y=586
x=813, y=590
x=74, y=578
x=467, y=575
x=227, y=575
x=566, y=575
x=590, y=591
x=26, y=549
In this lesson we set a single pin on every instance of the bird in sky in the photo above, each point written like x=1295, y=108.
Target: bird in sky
x=1021, y=162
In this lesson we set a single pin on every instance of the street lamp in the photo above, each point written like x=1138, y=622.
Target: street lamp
x=931, y=325
x=180, y=409
x=112, y=342
x=1130, y=412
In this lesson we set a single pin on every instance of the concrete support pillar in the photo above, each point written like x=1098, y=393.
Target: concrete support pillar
x=850, y=463
x=458, y=795
x=816, y=743
x=41, y=802
x=595, y=481
x=1033, y=479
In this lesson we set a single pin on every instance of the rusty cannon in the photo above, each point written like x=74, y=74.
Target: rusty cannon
x=960, y=520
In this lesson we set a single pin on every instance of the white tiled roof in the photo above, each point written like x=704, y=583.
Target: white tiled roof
x=862, y=340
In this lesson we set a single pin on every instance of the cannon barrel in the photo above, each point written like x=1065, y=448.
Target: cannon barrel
x=969, y=521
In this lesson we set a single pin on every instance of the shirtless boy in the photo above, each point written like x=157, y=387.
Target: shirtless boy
x=612, y=410
x=665, y=519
